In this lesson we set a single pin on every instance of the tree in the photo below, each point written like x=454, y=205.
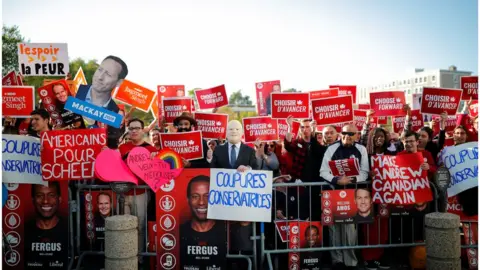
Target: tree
x=88, y=68
x=10, y=38
x=291, y=90
x=236, y=98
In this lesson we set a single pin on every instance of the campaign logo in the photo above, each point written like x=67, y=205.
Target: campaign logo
x=11, y=186
x=295, y=229
x=93, y=112
x=169, y=186
x=343, y=194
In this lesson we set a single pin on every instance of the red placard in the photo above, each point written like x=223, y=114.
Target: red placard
x=187, y=144
x=283, y=128
x=364, y=106
x=294, y=104
x=345, y=90
x=167, y=91
x=54, y=98
x=408, y=187
x=473, y=108
x=263, y=128
x=335, y=110
x=450, y=124
x=173, y=107
x=469, y=84
x=359, y=118
x=316, y=94
x=211, y=98
x=18, y=101
x=135, y=95
x=282, y=230
x=387, y=103
x=439, y=100
x=305, y=234
x=19, y=79
x=212, y=125
x=339, y=206
x=454, y=207
x=10, y=79
x=264, y=89
x=347, y=167
x=398, y=122
x=71, y=154
x=382, y=120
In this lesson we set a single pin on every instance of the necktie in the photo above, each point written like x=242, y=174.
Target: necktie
x=233, y=157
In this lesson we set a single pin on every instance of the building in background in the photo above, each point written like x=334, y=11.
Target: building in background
x=414, y=83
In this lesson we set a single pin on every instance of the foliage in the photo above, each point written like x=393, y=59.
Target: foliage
x=237, y=98
x=10, y=38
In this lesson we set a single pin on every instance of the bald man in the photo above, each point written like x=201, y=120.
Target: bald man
x=234, y=154
x=344, y=234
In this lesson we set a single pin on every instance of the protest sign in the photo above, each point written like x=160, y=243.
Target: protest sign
x=340, y=206
x=473, y=108
x=135, y=95
x=18, y=101
x=360, y=117
x=345, y=90
x=469, y=84
x=450, y=123
x=263, y=128
x=382, y=120
x=282, y=229
x=54, y=95
x=335, y=110
x=305, y=234
x=70, y=83
x=364, y=106
x=154, y=107
x=462, y=163
x=10, y=79
x=21, y=160
x=399, y=180
x=454, y=207
x=240, y=196
x=294, y=104
x=24, y=209
x=181, y=206
x=78, y=80
x=94, y=112
x=347, y=167
x=316, y=94
x=211, y=98
x=174, y=107
x=43, y=59
x=171, y=91
x=212, y=125
x=439, y=100
x=187, y=144
x=387, y=103
x=71, y=154
x=110, y=167
x=264, y=89
x=283, y=128
x=398, y=122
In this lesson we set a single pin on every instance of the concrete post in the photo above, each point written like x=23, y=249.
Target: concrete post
x=442, y=241
x=121, y=243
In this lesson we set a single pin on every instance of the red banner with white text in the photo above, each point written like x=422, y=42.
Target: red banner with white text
x=174, y=107
x=211, y=98
x=189, y=145
x=398, y=122
x=345, y=90
x=439, y=100
x=212, y=125
x=335, y=110
x=387, y=103
x=469, y=84
x=294, y=104
x=263, y=128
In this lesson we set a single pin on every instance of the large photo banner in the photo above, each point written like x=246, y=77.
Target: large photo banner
x=239, y=196
x=347, y=206
x=71, y=154
x=186, y=237
x=462, y=163
x=21, y=160
x=263, y=128
x=399, y=180
x=18, y=101
x=305, y=234
x=294, y=104
x=43, y=59
x=335, y=110
x=264, y=89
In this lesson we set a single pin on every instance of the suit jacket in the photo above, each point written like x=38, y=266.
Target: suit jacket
x=221, y=159
x=82, y=95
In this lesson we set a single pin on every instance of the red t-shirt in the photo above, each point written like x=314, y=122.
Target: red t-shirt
x=124, y=150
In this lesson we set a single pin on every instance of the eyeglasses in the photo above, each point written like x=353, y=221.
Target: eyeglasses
x=351, y=134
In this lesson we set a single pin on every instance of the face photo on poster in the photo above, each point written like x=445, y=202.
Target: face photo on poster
x=46, y=221
x=305, y=234
x=264, y=90
x=347, y=206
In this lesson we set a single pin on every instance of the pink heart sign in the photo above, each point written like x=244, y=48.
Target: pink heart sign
x=154, y=171
x=109, y=167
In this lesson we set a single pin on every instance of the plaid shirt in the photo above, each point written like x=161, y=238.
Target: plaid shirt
x=299, y=149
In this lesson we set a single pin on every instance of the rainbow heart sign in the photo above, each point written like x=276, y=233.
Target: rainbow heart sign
x=171, y=157
x=153, y=171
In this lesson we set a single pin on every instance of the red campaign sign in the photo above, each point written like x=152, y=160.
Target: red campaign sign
x=174, y=107
x=333, y=110
x=473, y=109
x=263, y=128
x=211, y=98
x=387, y=103
x=399, y=180
x=316, y=94
x=167, y=91
x=283, y=128
x=264, y=89
x=439, y=100
x=189, y=145
x=450, y=124
x=382, y=120
x=18, y=101
x=345, y=90
x=10, y=79
x=282, y=230
x=364, y=106
x=398, y=122
x=359, y=118
x=19, y=79
x=469, y=84
x=347, y=167
x=71, y=154
x=212, y=125
x=294, y=104
x=54, y=97
x=305, y=234
x=454, y=207
x=339, y=207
